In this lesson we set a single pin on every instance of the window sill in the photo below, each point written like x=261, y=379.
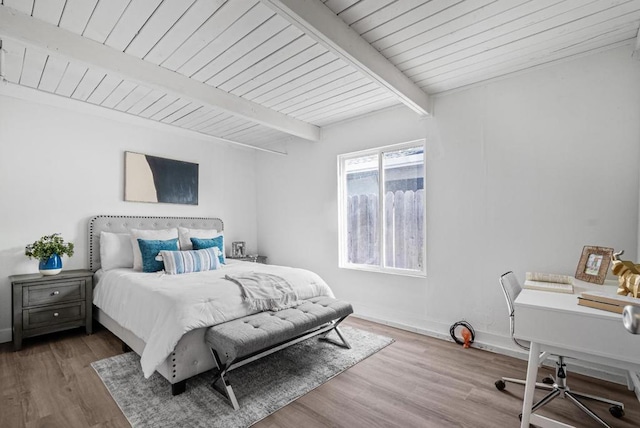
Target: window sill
x=389, y=271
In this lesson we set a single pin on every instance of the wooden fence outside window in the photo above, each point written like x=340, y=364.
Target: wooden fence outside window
x=403, y=230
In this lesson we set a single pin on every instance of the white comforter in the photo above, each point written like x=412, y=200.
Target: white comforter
x=160, y=308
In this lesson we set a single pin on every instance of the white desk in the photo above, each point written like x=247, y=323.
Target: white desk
x=554, y=322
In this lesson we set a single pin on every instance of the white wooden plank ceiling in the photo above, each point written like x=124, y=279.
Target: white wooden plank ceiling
x=257, y=75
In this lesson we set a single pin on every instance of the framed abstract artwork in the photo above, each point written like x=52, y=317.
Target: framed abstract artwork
x=155, y=179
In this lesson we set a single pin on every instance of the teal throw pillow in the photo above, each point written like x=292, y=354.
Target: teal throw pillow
x=150, y=249
x=218, y=241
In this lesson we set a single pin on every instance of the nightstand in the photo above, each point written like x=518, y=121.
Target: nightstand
x=255, y=259
x=44, y=304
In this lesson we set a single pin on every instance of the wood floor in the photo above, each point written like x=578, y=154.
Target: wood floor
x=417, y=381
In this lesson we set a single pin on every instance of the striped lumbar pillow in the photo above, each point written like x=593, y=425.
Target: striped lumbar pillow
x=177, y=262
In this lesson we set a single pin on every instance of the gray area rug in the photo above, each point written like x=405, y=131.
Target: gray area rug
x=262, y=387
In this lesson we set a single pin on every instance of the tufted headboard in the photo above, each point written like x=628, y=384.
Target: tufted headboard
x=122, y=224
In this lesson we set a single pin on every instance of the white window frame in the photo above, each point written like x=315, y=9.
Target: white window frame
x=342, y=223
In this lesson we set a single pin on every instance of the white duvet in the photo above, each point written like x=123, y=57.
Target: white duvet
x=160, y=308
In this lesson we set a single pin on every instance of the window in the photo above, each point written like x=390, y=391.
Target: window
x=381, y=209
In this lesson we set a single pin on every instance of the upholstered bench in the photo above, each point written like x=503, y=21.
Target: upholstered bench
x=247, y=339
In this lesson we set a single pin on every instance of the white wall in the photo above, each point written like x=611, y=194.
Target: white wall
x=528, y=170
x=58, y=168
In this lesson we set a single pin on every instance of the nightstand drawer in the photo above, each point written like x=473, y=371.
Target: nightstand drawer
x=51, y=315
x=56, y=292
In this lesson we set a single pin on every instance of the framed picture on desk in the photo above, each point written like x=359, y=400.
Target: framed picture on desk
x=594, y=264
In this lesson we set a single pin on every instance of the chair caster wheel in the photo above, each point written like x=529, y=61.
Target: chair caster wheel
x=616, y=411
x=548, y=380
x=500, y=385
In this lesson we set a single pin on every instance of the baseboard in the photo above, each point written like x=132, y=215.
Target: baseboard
x=501, y=345
x=5, y=335
x=401, y=326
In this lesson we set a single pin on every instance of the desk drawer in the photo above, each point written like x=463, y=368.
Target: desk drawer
x=579, y=332
x=51, y=316
x=53, y=292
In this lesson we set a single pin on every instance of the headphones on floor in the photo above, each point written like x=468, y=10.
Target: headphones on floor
x=464, y=325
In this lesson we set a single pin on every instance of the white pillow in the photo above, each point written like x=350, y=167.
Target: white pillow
x=115, y=250
x=186, y=234
x=159, y=234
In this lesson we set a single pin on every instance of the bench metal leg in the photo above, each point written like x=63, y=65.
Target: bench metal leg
x=226, y=390
x=343, y=342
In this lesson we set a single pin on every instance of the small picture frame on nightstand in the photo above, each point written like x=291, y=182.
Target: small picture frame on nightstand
x=237, y=249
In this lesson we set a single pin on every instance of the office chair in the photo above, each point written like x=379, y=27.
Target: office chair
x=558, y=385
x=511, y=288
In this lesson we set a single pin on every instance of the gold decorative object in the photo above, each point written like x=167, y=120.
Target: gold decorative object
x=628, y=275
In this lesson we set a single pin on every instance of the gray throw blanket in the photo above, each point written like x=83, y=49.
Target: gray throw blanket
x=264, y=291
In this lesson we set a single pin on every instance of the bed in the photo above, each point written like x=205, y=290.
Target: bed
x=187, y=353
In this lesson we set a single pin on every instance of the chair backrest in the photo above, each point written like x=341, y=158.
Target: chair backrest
x=511, y=289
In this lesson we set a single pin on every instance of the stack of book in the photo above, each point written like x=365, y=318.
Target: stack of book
x=607, y=302
x=549, y=282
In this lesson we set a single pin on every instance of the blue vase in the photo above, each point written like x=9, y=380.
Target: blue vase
x=50, y=266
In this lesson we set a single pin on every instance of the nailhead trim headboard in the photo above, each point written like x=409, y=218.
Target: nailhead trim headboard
x=122, y=224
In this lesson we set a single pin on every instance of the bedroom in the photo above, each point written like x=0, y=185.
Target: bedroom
x=523, y=172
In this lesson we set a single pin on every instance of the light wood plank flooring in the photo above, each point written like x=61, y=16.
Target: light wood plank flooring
x=418, y=381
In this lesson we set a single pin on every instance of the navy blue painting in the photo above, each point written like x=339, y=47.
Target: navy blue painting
x=155, y=179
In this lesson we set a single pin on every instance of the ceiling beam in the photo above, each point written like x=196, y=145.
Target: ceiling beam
x=636, y=51
x=60, y=42
x=320, y=23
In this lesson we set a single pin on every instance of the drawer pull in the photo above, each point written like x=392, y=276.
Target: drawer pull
x=55, y=293
x=55, y=314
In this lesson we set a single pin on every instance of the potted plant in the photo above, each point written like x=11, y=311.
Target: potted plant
x=49, y=249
